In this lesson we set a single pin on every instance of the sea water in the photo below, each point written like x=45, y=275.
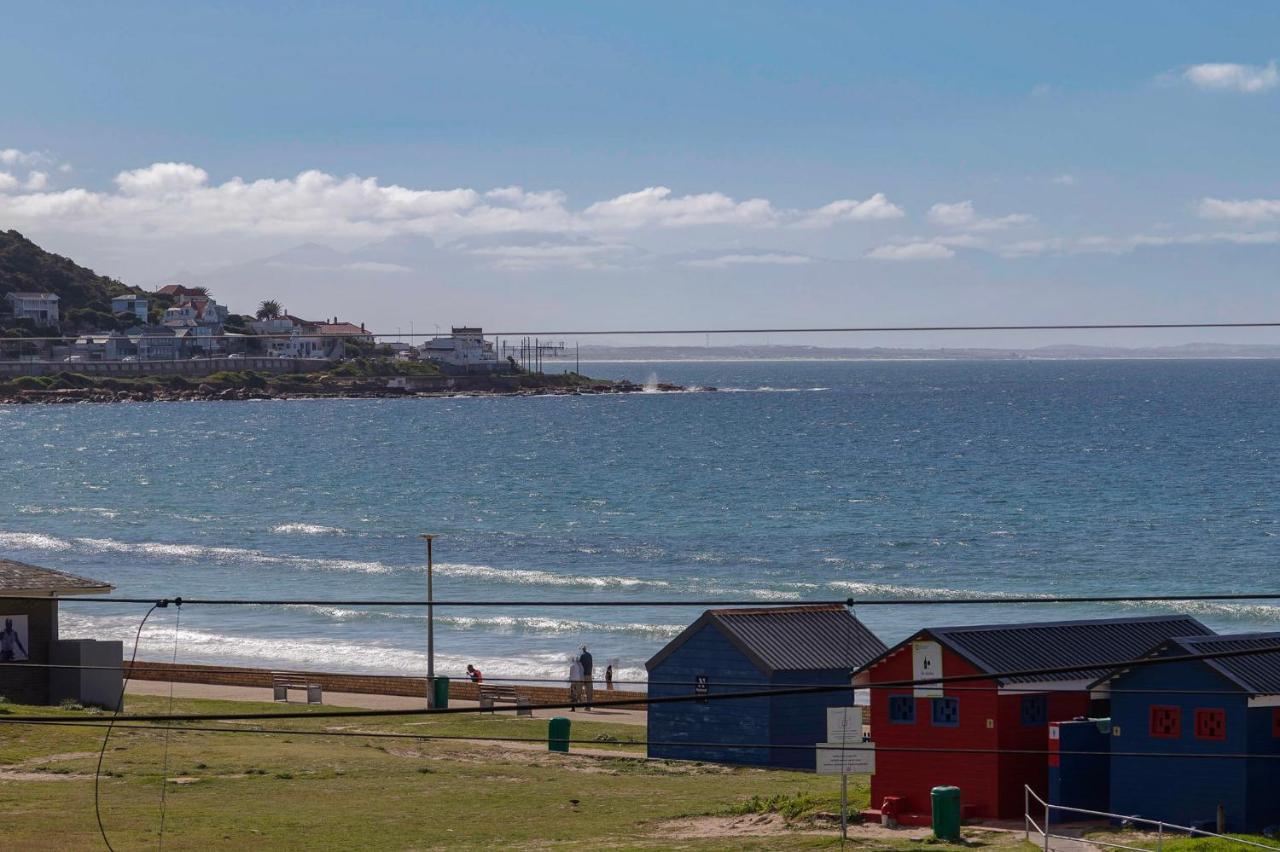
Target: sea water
x=796, y=480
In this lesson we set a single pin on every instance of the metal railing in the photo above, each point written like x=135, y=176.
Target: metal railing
x=1160, y=827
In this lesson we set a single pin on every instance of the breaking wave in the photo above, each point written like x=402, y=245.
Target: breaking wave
x=308, y=529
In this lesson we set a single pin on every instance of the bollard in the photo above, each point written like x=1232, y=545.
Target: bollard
x=558, y=734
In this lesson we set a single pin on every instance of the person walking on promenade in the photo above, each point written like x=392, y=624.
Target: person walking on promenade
x=608, y=678
x=588, y=682
x=475, y=674
x=575, y=684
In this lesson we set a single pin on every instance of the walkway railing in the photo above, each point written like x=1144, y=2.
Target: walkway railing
x=1161, y=828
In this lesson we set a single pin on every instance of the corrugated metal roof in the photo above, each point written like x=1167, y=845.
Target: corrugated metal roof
x=20, y=577
x=1045, y=645
x=789, y=638
x=1257, y=674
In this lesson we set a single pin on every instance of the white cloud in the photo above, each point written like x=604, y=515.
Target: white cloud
x=920, y=250
x=169, y=199
x=1099, y=244
x=14, y=157
x=655, y=206
x=961, y=214
x=1063, y=180
x=877, y=207
x=1250, y=210
x=547, y=255
x=1232, y=77
x=764, y=259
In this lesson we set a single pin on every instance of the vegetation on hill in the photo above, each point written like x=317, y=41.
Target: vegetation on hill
x=84, y=296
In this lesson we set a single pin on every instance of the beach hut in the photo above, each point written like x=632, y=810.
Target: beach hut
x=988, y=736
x=753, y=649
x=29, y=637
x=1222, y=714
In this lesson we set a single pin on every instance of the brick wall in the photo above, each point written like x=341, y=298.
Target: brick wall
x=462, y=690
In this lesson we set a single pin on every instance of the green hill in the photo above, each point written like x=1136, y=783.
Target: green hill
x=85, y=296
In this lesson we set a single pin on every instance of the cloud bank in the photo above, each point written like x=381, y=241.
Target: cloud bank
x=168, y=199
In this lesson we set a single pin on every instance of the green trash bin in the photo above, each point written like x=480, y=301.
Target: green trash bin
x=440, y=693
x=946, y=812
x=558, y=734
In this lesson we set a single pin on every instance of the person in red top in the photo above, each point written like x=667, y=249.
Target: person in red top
x=475, y=674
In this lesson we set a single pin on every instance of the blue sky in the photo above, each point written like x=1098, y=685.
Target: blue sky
x=874, y=162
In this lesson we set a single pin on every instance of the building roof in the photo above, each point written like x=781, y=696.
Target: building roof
x=1256, y=674
x=48, y=297
x=788, y=638
x=19, y=578
x=1045, y=645
x=340, y=328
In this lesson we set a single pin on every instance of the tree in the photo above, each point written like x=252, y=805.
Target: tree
x=270, y=309
x=200, y=291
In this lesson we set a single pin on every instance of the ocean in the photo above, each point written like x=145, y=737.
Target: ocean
x=796, y=480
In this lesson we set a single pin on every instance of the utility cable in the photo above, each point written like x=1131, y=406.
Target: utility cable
x=168, y=729
x=115, y=716
x=756, y=603
x=1100, y=665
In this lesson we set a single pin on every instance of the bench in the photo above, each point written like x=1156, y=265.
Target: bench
x=282, y=682
x=490, y=695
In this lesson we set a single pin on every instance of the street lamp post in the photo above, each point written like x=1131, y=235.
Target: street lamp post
x=431, y=630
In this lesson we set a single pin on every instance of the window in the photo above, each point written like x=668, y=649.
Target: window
x=1211, y=724
x=946, y=712
x=1035, y=710
x=1166, y=722
x=902, y=709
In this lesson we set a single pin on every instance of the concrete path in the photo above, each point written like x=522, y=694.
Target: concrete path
x=367, y=701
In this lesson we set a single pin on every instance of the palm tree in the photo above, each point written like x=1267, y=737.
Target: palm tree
x=270, y=309
x=200, y=291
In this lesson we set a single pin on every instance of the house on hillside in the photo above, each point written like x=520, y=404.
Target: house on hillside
x=31, y=644
x=154, y=342
x=744, y=650
x=40, y=308
x=344, y=330
x=136, y=305
x=969, y=734
x=1223, y=714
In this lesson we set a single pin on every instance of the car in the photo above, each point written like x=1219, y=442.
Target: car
x=235, y=355
x=72, y=358
x=129, y=358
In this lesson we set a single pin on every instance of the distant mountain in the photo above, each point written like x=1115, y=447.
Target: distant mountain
x=84, y=296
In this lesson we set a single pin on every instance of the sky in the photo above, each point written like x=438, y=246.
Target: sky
x=560, y=166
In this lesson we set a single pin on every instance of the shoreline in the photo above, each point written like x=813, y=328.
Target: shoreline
x=461, y=386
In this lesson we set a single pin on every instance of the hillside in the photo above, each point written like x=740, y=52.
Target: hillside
x=85, y=295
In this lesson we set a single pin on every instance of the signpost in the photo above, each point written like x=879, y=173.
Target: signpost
x=844, y=752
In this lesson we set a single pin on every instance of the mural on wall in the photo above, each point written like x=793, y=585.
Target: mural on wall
x=14, y=638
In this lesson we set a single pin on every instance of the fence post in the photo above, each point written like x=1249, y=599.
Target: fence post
x=1046, y=826
x=1026, y=814
x=1160, y=837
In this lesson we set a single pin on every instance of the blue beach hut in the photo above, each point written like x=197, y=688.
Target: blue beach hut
x=753, y=649
x=1222, y=714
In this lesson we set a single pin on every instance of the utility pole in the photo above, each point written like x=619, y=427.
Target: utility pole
x=431, y=630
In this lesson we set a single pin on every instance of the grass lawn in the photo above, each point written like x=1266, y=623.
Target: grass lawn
x=295, y=791
x=1147, y=840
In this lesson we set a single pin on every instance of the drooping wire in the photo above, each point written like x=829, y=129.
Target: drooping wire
x=106, y=737
x=168, y=729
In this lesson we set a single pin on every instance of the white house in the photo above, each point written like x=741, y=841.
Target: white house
x=40, y=308
x=154, y=342
x=465, y=349
x=136, y=305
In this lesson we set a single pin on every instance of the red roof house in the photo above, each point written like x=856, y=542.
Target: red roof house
x=970, y=734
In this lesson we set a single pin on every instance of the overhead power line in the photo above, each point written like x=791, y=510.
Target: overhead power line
x=591, y=602
x=619, y=754
x=853, y=329
x=1099, y=665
